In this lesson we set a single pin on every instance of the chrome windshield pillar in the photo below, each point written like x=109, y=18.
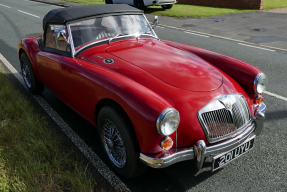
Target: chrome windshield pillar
x=70, y=40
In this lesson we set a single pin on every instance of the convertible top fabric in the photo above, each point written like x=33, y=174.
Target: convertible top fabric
x=64, y=15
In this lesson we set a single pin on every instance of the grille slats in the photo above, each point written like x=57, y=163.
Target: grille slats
x=223, y=122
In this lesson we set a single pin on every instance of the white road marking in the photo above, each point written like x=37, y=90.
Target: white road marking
x=5, y=6
x=230, y=39
x=43, y=3
x=196, y=34
x=160, y=27
x=275, y=95
x=83, y=147
x=29, y=14
x=170, y=26
x=256, y=47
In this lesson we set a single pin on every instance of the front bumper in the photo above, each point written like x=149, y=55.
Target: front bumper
x=200, y=151
x=159, y=2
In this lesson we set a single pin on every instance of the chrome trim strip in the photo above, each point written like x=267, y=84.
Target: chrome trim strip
x=189, y=153
x=101, y=41
x=176, y=138
x=93, y=43
x=70, y=39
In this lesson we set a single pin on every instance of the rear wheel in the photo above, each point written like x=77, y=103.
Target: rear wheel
x=30, y=79
x=140, y=4
x=167, y=6
x=120, y=147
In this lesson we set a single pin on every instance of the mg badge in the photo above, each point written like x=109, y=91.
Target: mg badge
x=226, y=102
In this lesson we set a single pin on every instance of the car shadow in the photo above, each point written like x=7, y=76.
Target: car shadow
x=150, y=10
x=276, y=115
x=178, y=177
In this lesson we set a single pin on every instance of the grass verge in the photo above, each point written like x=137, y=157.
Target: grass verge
x=272, y=4
x=32, y=156
x=184, y=10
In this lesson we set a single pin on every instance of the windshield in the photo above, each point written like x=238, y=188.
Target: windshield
x=87, y=31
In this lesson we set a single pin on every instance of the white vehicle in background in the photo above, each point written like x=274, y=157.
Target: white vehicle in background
x=142, y=4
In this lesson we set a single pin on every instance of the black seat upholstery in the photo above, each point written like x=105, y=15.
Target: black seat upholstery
x=78, y=41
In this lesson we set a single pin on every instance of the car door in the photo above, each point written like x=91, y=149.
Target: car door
x=80, y=92
x=48, y=60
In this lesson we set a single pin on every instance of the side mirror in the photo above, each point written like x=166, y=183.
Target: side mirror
x=155, y=22
x=61, y=35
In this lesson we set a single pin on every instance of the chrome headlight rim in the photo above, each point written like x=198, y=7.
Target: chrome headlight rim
x=256, y=82
x=162, y=117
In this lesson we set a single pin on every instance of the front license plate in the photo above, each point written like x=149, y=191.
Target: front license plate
x=223, y=159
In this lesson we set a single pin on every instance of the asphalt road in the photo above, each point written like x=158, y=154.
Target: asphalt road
x=262, y=169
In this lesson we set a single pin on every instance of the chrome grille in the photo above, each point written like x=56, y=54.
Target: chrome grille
x=219, y=123
x=224, y=117
x=241, y=114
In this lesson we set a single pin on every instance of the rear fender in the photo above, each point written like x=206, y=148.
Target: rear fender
x=243, y=73
x=31, y=47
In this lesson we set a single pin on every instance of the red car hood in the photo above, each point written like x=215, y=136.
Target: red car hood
x=175, y=67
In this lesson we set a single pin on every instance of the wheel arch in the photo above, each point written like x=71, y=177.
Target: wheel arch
x=30, y=46
x=21, y=50
x=110, y=102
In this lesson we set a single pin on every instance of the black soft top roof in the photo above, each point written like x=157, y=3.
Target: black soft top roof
x=64, y=15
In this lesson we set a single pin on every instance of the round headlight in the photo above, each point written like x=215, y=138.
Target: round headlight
x=260, y=83
x=168, y=121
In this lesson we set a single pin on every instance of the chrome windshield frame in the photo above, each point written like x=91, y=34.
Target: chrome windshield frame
x=74, y=52
x=70, y=40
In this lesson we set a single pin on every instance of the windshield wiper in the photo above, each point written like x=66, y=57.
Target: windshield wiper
x=117, y=35
x=146, y=33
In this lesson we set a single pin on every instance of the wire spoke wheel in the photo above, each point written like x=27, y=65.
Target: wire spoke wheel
x=114, y=144
x=26, y=74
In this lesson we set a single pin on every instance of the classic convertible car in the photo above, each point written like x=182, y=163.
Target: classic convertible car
x=154, y=102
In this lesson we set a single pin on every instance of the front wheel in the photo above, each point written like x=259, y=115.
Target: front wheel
x=167, y=6
x=30, y=79
x=116, y=138
x=109, y=1
x=140, y=4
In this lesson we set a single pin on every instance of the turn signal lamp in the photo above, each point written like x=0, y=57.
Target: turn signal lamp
x=167, y=143
x=259, y=100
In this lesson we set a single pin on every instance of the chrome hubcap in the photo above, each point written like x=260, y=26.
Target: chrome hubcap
x=26, y=74
x=114, y=144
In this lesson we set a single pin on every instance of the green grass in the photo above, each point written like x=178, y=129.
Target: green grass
x=272, y=4
x=32, y=155
x=183, y=10
x=88, y=2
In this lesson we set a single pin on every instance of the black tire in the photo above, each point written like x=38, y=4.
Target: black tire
x=122, y=140
x=109, y=1
x=32, y=83
x=167, y=6
x=140, y=4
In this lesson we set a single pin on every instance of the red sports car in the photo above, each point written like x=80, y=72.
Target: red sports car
x=154, y=102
